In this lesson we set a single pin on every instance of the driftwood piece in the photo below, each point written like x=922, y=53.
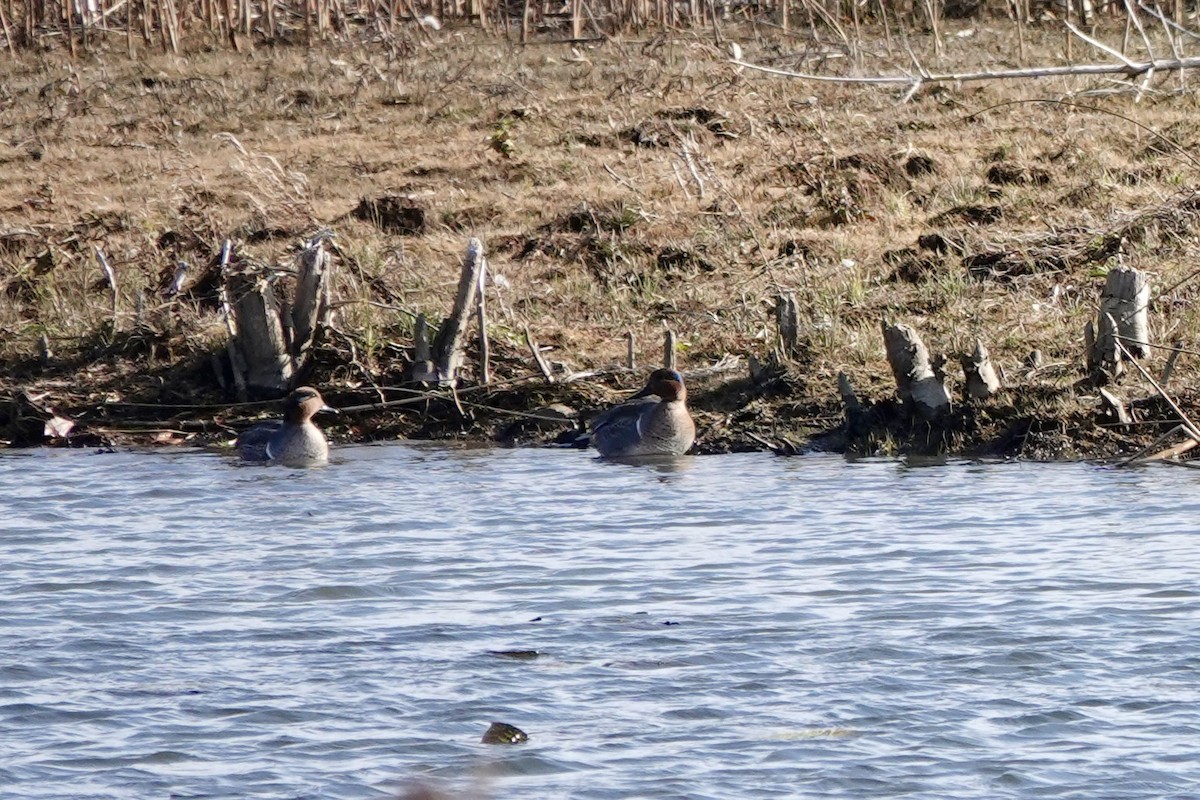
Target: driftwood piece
x=921, y=389
x=630, y=356
x=981, y=379
x=787, y=318
x=1113, y=408
x=669, y=350
x=448, y=348
x=1174, y=451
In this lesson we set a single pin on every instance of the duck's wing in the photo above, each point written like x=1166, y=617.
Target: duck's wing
x=252, y=444
x=620, y=427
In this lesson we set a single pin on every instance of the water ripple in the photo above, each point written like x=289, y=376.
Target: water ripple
x=741, y=626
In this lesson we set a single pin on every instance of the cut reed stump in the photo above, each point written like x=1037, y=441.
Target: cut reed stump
x=1124, y=316
x=981, y=379
x=422, y=369
x=262, y=357
x=485, y=350
x=270, y=342
x=448, y=347
x=787, y=318
x=311, y=307
x=857, y=418
x=920, y=388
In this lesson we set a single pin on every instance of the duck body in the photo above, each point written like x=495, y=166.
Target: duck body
x=295, y=441
x=654, y=422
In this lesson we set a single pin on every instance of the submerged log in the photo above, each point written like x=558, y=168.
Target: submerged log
x=448, y=348
x=920, y=388
x=981, y=379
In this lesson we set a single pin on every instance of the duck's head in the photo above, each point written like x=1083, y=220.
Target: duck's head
x=666, y=383
x=303, y=403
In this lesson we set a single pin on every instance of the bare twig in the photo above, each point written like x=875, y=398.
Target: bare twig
x=1192, y=430
x=110, y=277
x=539, y=359
x=1099, y=45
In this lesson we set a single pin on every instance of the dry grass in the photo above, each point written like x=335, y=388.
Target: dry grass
x=628, y=186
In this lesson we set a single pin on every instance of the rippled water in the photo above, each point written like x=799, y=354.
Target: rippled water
x=178, y=625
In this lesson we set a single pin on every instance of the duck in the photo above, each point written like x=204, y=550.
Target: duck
x=653, y=422
x=293, y=441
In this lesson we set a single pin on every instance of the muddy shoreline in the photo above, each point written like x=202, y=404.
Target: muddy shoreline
x=185, y=407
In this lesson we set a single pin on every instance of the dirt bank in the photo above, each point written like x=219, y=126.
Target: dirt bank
x=621, y=189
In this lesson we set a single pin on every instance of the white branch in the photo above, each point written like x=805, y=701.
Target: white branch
x=1131, y=68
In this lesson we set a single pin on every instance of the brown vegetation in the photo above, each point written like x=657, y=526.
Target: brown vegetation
x=622, y=187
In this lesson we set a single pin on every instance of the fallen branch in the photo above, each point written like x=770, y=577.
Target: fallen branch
x=1171, y=452
x=1187, y=427
x=1192, y=430
x=1129, y=69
